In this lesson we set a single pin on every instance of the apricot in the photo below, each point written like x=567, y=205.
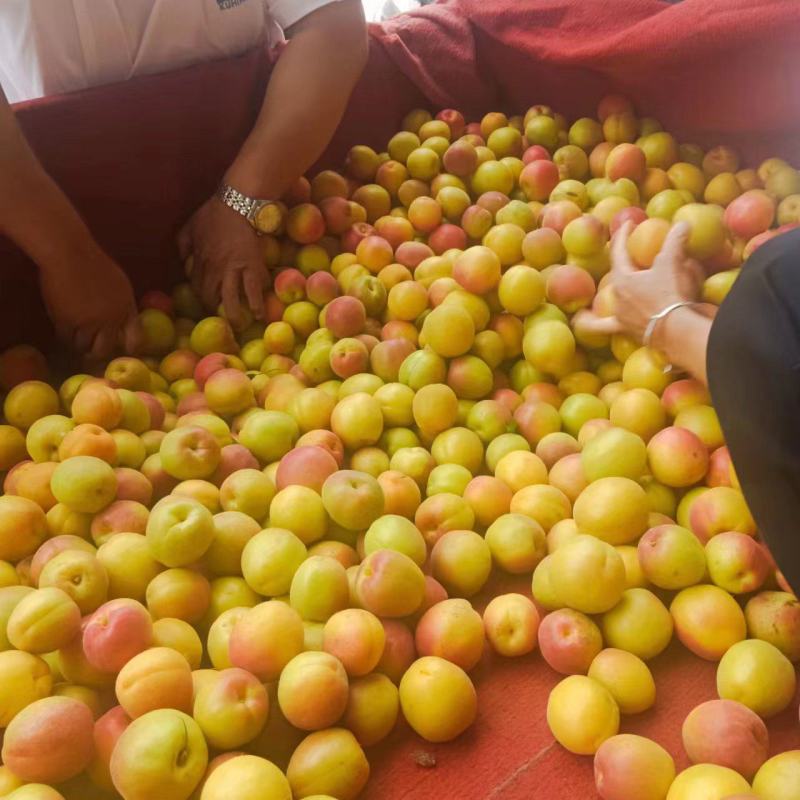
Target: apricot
x=740, y=676
x=373, y=706
x=399, y=651
x=353, y=499
x=12, y=447
x=736, y=562
x=80, y=575
x=614, y=453
x=547, y=505
x=155, y=678
x=26, y=678
x=300, y=510
x=313, y=691
x=97, y=404
x=588, y=575
x=270, y=560
x=569, y=641
x=231, y=709
x=639, y=624
x=638, y=411
x=582, y=714
x=720, y=509
x=29, y=401
x=251, y=775
x=627, y=678
x=516, y=542
x=542, y=247
x=329, y=762
x=84, y=483
x=726, y=733
x=161, y=754
x=778, y=777
x=61, y=727
x=448, y=330
x=774, y=617
x=452, y=630
x=708, y=621
x=671, y=557
x=579, y=409
x=400, y=492
x=707, y=781
x=23, y=527
x=43, y=621
x=319, y=588
x=438, y=699
x=356, y=638
x=461, y=560
x=613, y=509
x=389, y=584
x=266, y=638
x=627, y=765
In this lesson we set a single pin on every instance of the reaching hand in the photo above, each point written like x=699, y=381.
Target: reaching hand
x=227, y=260
x=91, y=303
x=640, y=294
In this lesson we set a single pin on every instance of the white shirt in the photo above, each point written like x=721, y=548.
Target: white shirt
x=54, y=46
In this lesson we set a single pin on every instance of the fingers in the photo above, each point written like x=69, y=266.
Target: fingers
x=253, y=280
x=210, y=286
x=196, y=276
x=673, y=251
x=589, y=322
x=231, y=299
x=708, y=310
x=691, y=277
x=104, y=343
x=83, y=338
x=621, y=261
x=132, y=334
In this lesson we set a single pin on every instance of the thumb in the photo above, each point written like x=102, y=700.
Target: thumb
x=589, y=322
x=673, y=251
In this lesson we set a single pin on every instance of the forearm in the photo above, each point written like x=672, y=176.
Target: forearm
x=34, y=212
x=683, y=338
x=305, y=100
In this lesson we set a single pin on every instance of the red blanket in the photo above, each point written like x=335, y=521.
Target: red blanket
x=715, y=70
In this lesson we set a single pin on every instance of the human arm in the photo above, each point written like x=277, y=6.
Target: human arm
x=87, y=295
x=303, y=105
x=639, y=295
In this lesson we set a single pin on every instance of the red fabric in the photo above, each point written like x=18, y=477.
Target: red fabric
x=711, y=70
x=509, y=753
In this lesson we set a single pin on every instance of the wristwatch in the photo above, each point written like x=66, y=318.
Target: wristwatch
x=266, y=216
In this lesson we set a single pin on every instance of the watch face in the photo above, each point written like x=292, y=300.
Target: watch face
x=268, y=218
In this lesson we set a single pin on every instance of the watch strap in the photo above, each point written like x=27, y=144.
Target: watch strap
x=235, y=200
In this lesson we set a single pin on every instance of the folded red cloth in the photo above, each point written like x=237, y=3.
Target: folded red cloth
x=710, y=70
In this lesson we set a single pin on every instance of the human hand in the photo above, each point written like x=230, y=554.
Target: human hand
x=640, y=294
x=90, y=301
x=227, y=264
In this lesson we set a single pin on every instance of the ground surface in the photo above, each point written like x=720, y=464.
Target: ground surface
x=509, y=753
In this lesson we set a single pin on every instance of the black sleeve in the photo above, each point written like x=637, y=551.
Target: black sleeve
x=754, y=378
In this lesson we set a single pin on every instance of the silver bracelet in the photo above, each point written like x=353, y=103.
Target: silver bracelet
x=656, y=318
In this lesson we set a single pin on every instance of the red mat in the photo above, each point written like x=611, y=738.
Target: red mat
x=509, y=753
